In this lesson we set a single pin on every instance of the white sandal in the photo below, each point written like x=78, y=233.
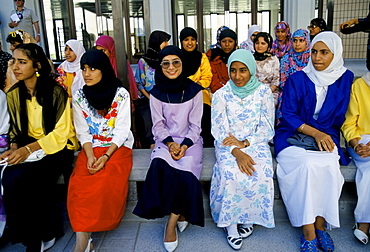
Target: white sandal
x=88, y=246
x=360, y=235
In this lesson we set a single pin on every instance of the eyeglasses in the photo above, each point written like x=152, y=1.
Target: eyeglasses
x=175, y=63
x=311, y=27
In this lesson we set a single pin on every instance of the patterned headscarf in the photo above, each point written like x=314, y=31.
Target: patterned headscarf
x=280, y=49
x=218, y=44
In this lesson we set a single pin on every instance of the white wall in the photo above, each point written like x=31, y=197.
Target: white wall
x=298, y=13
x=160, y=16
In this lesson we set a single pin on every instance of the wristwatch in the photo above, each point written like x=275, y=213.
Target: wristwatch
x=246, y=143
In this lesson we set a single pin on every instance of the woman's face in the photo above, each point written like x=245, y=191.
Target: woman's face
x=91, y=75
x=189, y=44
x=299, y=44
x=163, y=44
x=314, y=29
x=106, y=51
x=171, y=66
x=239, y=73
x=227, y=44
x=281, y=34
x=23, y=66
x=261, y=45
x=70, y=54
x=321, y=56
x=13, y=45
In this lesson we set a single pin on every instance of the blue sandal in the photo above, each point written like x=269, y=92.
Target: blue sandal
x=310, y=246
x=325, y=241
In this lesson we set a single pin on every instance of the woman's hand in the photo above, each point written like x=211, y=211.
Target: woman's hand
x=98, y=164
x=324, y=141
x=16, y=156
x=176, y=150
x=90, y=163
x=245, y=162
x=231, y=140
x=183, y=149
x=363, y=150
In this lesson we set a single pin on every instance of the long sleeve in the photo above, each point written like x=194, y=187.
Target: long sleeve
x=4, y=115
x=81, y=126
x=195, y=117
x=140, y=75
x=275, y=66
x=122, y=124
x=160, y=129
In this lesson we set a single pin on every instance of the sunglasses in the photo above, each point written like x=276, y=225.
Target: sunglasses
x=175, y=63
x=311, y=26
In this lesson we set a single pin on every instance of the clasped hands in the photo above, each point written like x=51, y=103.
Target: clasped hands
x=363, y=150
x=245, y=162
x=94, y=165
x=176, y=150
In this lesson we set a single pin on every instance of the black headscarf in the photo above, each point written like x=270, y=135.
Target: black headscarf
x=219, y=52
x=320, y=22
x=156, y=38
x=100, y=96
x=176, y=90
x=193, y=59
x=262, y=56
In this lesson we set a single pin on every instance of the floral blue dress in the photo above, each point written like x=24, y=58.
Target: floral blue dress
x=235, y=197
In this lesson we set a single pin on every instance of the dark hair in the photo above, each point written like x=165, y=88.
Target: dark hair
x=16, y=36
x=320, y=23
x=266, y=36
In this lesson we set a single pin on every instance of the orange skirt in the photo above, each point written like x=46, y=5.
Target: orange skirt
x=97, y=202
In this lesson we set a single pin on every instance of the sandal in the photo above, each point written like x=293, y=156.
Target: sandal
x=325, y=241
x=311, y=246
x=235, y=242
x=245, y=232
x=360, y=235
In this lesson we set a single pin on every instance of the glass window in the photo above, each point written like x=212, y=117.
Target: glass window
x=137, y=30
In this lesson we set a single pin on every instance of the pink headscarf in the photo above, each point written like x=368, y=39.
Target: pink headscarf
x=108, y=43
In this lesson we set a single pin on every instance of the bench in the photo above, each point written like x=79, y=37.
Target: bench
x=141, y=158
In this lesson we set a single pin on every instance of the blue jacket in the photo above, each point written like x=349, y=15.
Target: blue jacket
x=298, y=107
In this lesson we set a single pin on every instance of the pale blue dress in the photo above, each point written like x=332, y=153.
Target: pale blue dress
x=235, y=197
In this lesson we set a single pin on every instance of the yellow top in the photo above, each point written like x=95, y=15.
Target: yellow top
x=55, y=140
x=69, y=81
x=204, y=77
x=357, y=121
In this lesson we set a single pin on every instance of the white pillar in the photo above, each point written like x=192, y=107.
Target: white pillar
x=160, y=16
x=298, y=13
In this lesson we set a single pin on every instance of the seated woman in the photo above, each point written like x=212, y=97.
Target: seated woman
x=99, y=182
x=40, y=119
x=268, y=65
x=248, y=44
x=144, y=77
x=243, y=157
x=4, y=119
x=106, y=44
x=295, y=60
x=314, y=104
x=172, y=184
x=316, y=26
x=218, y=57
x=356, y=130
x=283, y=42
x=70, y=75
x=198, y=70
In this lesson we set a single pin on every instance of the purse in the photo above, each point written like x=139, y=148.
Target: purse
x=304, y=141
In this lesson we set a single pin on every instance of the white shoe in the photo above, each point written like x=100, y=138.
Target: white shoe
x=235, y=242
x=48, y=244
x=360, y=235
x=245, y=231
x=181, y=225
x=170, y=246
x=88, y=246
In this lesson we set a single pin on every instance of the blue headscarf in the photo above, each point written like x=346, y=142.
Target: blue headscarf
x=245, y=57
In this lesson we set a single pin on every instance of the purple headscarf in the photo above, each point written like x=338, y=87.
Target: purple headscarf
x=280, y=49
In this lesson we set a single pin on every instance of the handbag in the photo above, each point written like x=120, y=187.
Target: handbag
x=304, y=141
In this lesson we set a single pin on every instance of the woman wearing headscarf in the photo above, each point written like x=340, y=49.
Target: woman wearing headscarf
x=219, y=30
x=267, y=64
x=40, y=126
x=5, y=124
x=316, y=26
x=307, y=143
x=283, y=42
x=242, y=125
x=99, y=183
x=145, y=82
x=218, y=59
x=356, y=131
x=198, y=69
x=248, y=44
x=70, y=75
x=172, y=184
x=106, y=44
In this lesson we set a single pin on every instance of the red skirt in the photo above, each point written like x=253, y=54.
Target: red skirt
x=97, y=202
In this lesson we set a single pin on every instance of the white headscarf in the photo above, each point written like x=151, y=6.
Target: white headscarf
x=249, y=41
x=336, y=69
x=79, y=50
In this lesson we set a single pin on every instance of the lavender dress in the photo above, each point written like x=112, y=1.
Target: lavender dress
x=173, y=186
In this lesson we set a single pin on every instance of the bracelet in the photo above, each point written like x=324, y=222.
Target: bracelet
x=106, y=155
x=38, y=34
x=301, y=128
x=29, y=149
x=354, y=148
